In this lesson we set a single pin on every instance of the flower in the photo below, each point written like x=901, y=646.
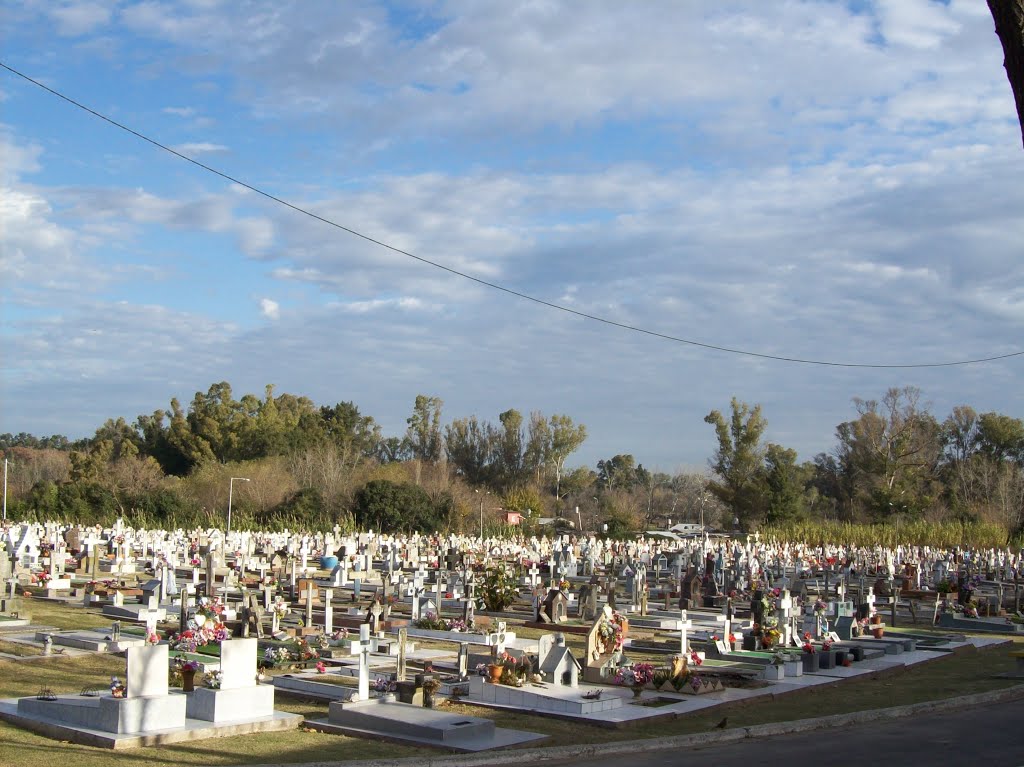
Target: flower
x=695, y=659
x=820, y=607
x=808, y=648
x=320, y=667
x=637, y=675
x=213, y=680
x=611, y=632
x=152, y=638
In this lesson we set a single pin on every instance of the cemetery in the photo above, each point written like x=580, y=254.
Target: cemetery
x=432, y=640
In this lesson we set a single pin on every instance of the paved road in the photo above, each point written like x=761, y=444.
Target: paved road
x=987, y=736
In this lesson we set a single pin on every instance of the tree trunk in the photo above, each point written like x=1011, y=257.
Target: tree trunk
x=1009, y=18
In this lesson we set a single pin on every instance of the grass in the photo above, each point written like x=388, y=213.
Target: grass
x=950, y=675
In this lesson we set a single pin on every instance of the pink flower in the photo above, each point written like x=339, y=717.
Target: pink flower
x=320, y=667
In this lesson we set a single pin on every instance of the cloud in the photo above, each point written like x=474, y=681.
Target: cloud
x=270, y=309
x=75, y=19
x=194, y=149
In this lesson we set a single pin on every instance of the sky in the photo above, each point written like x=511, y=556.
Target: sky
x=829, y=181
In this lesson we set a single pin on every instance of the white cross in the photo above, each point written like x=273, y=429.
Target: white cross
x=684, y=624
x=362, y=649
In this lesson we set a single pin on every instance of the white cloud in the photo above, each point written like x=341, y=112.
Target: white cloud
x=196, y=148
x=270, y=309
x=74, y=19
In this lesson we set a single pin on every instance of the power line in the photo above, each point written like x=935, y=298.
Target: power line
x=486, y=283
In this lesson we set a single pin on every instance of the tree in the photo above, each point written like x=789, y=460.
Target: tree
x=566, y=438
x=619, y=472
x=424, y=433
x=784, y=484
x=538, y=444
x=509, y=460
x=739, y=458
x=469, y=448
x=893, y=449
x=1009, y=18
x=391, y=507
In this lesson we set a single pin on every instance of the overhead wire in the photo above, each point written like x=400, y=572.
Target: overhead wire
x=493, y=285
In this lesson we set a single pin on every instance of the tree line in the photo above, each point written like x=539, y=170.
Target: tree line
x=318, y=466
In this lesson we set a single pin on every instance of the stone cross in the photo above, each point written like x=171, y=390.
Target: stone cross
x=310, y=595
x=328, y=611
x=497, y=640
x=362, y=648
x=403, y=635
x=684, y=625
x=534, y=574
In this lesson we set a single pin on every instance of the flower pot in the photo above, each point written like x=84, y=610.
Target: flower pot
x=188, y=679
x=637, y=690
x=494, y=673
x=810, y=662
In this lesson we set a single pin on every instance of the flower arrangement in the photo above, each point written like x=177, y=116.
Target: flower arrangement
x=611, y=632
x=340, y=634
x=826, y=644
x=820, y=608
x=276, y=655
x=320, y=667
x=212, y=680
x=117, y=688
x=383, y=685
x=42, y=578
x=563, y=585
x=280, y=608
x=432, y=622
x=152, y=638
x=808, y=648
x=637, y=675
x=695, y=659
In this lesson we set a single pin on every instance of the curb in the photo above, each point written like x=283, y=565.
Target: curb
x=697, y=740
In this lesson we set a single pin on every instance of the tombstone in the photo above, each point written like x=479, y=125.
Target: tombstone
x=328, y=612
x=602, y=659
x=403, y=635
x=553, y=608
x=555, y=661
x=362, y=647
x=683, y=626
x=373, y=614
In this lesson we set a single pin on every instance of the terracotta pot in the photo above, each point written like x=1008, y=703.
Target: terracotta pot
x=495, y=671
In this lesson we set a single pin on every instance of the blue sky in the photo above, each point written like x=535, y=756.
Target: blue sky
x=836, y=181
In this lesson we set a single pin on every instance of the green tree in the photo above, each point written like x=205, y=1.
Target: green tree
x=509, y=459
x=894, y=449
x=566, y=438
x=739, y=459
x=424, y=433
x=468, y=444
x=784, y=482
x=387, y=506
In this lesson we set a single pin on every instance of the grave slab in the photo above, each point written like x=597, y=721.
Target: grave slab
x=388, y=719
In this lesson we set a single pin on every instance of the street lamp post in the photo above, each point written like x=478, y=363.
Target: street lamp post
x=5, y=490
x=482, y=511
x=231, y=489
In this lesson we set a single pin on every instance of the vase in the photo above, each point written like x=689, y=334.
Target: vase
x=428, y=699
x=637, y=690
x=494, y=670
x=877, y=633
x=188, y=679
